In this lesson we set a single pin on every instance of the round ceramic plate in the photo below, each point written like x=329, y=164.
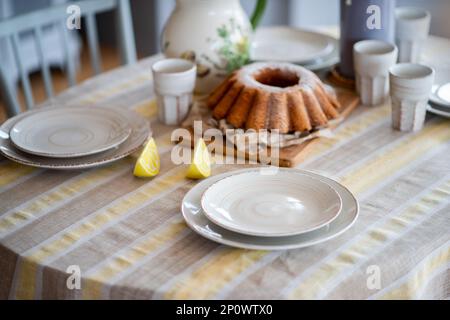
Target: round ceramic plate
x=271, y=205
x=197, y=221
x=140, y=131
x=436, y=93
x=326, y=62
x=444, y=93
x=287, y=44
x=439, y=110
x=70, y=132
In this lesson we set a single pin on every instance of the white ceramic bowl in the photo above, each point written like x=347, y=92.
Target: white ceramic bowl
x=271, y=205
x=69, y=132
x=197, y=221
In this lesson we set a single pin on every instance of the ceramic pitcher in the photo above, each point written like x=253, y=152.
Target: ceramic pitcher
x=364, y=20
x=213, y=33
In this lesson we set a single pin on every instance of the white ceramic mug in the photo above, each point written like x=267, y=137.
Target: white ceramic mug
x=174, y=81
x=410, y=90
x=372, y=59
x=412, y=29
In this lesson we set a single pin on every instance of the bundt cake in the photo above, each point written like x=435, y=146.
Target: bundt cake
x=271, y=96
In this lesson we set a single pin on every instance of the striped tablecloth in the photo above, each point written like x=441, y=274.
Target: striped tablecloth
x=128, y=240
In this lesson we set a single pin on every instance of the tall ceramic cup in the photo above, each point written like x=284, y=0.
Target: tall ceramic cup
x=410, y=90
x=174, y=81
x=373, y=58
x=412, y=28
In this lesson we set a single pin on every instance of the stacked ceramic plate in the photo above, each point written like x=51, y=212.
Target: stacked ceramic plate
x=269, y=209
x=72, y=137
x=310, y=49
x=440, y=100
x=435, y=54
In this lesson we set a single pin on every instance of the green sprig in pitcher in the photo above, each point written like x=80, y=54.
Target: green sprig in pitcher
x=213, y=33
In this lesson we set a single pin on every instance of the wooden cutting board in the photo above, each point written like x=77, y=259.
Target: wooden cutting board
x=288, y=156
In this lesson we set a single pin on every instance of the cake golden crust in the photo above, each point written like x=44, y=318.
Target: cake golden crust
x=299, y=116
x=225, y=104
x=325, y=103
x=220, y=91
x=258, y=112
x=279, y=114
x=271, y=96
x=316, y=114
x=239, y=111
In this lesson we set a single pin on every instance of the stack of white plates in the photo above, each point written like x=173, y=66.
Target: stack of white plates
x=313, y=50
x=72, y=137
x=265, y=209
x=440, y=100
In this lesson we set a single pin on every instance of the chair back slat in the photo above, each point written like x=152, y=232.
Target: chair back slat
x=15, y=41
x=126, y=33
x=10, y=96
x=70, y=65
x=45, y=69
x=92, y=38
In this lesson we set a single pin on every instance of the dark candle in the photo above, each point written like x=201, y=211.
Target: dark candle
x=362, y=20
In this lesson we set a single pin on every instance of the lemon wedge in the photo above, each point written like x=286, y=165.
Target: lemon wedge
x=148, y=163
x=201, y=163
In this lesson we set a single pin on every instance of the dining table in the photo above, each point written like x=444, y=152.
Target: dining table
x=125, y=238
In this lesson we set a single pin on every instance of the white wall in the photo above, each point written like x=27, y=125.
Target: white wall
x=276, y=11
x=307, y=13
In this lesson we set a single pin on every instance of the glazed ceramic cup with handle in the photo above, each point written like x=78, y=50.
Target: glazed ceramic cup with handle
x=412, y=29
x=373, y=58
x=174, y=81
x=410, y=90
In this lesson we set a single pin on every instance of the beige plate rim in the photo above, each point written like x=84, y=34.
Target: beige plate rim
x=14, y=138
x=324, y=54
x=438, y=112
x=140, y=133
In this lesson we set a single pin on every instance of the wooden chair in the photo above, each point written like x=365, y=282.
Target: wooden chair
x=35, y=21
